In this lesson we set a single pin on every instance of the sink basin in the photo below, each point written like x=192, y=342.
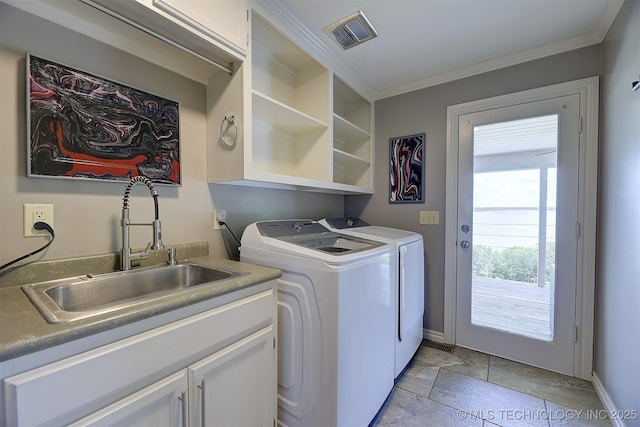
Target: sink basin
x=77, y=298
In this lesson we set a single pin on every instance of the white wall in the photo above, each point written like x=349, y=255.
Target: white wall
x=617, y=353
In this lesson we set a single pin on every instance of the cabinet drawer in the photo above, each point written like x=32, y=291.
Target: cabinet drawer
x=70, y=388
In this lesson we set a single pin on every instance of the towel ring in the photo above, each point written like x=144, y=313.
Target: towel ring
x=229, y=119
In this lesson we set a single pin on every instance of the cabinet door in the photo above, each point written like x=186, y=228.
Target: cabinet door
x=161, y=404
x=236, y=386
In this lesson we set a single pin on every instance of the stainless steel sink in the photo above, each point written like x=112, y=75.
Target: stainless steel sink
x=77, y=298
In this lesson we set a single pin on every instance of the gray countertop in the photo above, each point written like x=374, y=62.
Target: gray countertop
x=24, y=330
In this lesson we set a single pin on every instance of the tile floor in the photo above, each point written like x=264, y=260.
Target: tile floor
x=468, y=388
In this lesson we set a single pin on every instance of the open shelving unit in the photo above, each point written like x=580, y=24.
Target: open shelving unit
x=296, y=124
x=290, y=108
x=352, y=151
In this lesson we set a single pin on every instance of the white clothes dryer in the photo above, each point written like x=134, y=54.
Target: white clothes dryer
x=408, y=279
x=335, y=321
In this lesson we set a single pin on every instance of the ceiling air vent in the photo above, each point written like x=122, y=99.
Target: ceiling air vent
x=352, y=30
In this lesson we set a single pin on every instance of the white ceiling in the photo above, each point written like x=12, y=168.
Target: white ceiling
x=421, y=43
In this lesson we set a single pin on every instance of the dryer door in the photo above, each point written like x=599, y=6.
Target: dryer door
x=411, y=291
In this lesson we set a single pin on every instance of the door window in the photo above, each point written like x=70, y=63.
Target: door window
x=514, y=226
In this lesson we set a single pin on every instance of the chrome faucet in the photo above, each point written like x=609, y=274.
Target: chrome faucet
x=126, y=255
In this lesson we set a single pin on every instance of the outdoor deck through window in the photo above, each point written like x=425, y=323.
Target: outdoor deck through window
x=514, y=226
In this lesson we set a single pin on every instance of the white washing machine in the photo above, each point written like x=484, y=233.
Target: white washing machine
x=408, y=273
x=335, y=321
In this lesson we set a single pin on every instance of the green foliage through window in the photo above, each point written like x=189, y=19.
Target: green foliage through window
x=516, y=263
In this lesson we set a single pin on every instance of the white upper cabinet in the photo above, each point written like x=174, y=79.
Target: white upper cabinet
x=219, y=20
x=221, y=24
x=299, y=125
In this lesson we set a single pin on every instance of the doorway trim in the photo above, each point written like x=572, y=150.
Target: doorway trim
x=588, y=89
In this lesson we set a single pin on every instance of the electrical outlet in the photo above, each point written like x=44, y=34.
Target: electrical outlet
x=34, y=213
x=218, y=216
x=429, y=217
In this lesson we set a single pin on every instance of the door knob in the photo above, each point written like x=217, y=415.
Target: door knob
x=465, y=244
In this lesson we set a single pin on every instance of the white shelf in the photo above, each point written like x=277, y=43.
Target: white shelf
x=352, y=144
x=280, y=115
x=347, y=159
x=349, y=131
x=284, y=72
x=303, y=127
x=353, y=173
x=279, y=150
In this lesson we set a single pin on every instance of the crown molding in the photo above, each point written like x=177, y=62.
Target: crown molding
x=296, y=30
x=608, y=15
x=492, y=65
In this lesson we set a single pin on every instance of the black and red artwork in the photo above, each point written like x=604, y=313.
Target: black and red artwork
x=84, y=126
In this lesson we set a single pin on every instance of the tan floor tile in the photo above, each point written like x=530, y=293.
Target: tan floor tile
x=563, y=416
x=491, y=402
x=569, y=391
x=462, y=360
x=451, y=389
x=407, y=409
x=419, y=377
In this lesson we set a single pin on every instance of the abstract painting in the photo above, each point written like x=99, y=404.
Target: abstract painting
x=83, y=126
x=406, y=169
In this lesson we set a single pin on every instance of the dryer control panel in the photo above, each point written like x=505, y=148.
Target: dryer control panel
x=290, y=228
x=346, y=222
x=313, y=235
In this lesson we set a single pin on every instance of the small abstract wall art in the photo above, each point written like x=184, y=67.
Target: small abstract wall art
x=406, y=169
x=83, y=126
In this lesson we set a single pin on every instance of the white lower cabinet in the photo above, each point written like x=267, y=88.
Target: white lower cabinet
x=161, y=404
x=216, y=368
x=230, y=387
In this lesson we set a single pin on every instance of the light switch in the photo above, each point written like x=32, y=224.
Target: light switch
x=429, y=217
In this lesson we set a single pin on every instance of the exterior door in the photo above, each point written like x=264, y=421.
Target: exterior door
x=516, y=235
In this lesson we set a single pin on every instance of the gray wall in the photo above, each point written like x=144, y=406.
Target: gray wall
x=87, y=213
x=617, y=354
x=245, y=205
x=426, y=111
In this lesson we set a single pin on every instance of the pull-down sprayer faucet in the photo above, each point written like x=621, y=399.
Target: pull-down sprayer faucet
x=126, y=255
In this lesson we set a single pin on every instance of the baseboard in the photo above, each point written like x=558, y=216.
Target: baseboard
x=608, y=404
x=428, y=334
